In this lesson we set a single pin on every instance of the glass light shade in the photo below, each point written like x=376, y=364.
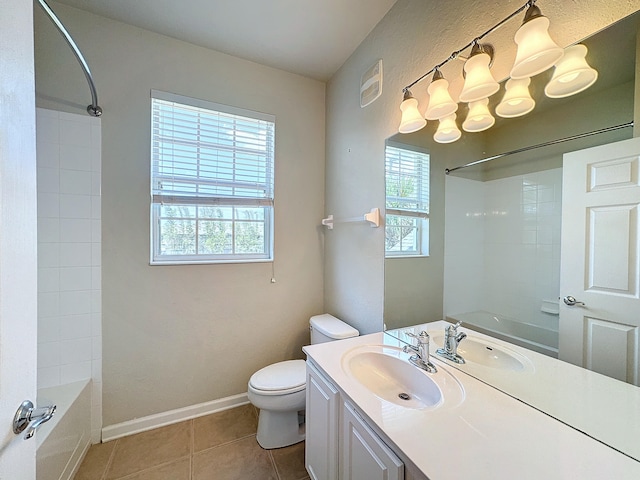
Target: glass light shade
x=536, y=50
x=440, y=102
x=479, y=117
x=479, y=82
x=572, y=74
x=517, y=100
x=448, y=131
x=411, y=120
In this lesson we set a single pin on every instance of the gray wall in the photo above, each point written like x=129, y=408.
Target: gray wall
x=413, y=37
x=175, y=336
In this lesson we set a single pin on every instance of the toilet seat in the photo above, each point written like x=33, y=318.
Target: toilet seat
x=280, y=378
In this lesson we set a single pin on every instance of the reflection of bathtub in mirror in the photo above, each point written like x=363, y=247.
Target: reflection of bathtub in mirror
x=534, y=337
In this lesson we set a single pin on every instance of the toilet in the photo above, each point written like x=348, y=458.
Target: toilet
x=279, y=390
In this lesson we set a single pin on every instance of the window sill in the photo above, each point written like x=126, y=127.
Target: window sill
x=208, y=262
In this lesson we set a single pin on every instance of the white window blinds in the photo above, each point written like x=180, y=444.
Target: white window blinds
x=407, y=182
x=210, y=154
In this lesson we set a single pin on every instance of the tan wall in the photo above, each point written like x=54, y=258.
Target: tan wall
x=413, y=37
x=175, y=336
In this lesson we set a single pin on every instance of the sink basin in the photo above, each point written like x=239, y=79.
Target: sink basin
x=487, y=354
x=385, y=372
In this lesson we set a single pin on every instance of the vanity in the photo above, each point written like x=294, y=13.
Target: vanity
x=372, y=414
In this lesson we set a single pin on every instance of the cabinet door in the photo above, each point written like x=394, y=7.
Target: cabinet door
x=364, y=455
x=321, y=448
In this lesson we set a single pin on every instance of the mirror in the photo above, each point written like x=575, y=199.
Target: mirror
x=490, y=275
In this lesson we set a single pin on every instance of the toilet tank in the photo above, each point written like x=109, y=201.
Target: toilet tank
x=326, y=328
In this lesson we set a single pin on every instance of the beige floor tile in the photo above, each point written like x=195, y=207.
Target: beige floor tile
x=149, y=449
x=95, y=461
x=240, y=460
x=290, y=462
x=180, y=470
x=223, y=427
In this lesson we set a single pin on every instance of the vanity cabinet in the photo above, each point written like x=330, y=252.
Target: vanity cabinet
x=339, y=443
x=321, y=429
x=364, y=455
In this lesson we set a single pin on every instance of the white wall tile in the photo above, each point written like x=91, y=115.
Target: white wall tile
x=74, y=131
x=75, y=254
x=96, y=207
x=48, y=279
x=48, y=231
x=75, y=181
x=48, y=154
x=75, y=278
x=48, y=180
x=75, y=351
x=96, y=278
x=48, y=354
x=75, y=326
x=48, y=304
x=48, y=205
x=96, y=186
x=96, y=348
x=75, y=303
x=47, y=127
x=96, y=230
x=96, y=254
x=74, y=157
x=75, y=372
x=48, y=377
x=75, y=230
x=75, y=206
x=48, y=329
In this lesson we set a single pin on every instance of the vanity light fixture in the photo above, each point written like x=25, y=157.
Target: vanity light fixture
x=479, y=82
x=536, y=53
x=448, y=131
x=412, y=120
x=440, y=102
x=517, y=100
x=572, y=74
x=479, y=117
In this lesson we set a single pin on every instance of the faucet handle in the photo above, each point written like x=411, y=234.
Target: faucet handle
x=422, y=337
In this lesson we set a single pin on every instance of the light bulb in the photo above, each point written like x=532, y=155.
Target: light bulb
x=448, y=131
x=440, y=102
x=536, y=49
x=479, y=117
x=572, y=74
x=517, y=100
x=411, y=120
x=479, y=82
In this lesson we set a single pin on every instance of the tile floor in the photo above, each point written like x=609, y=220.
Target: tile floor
x=221, y=446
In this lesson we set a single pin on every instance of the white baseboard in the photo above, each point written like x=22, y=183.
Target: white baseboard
x=112, y=432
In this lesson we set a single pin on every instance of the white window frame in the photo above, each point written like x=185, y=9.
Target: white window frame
x=158, y=198
x=418, y=213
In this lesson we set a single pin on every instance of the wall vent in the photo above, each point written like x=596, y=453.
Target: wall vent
x=371, y=84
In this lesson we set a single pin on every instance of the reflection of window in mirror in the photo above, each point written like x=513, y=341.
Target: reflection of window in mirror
x=407, y=202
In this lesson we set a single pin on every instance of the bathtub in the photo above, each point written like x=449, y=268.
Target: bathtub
x=533, y=337
x=63, y=441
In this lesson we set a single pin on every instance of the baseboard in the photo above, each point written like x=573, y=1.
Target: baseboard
x=119, y=430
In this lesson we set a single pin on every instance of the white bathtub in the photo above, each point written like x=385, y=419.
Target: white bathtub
x=63, y=441
x=533, y=337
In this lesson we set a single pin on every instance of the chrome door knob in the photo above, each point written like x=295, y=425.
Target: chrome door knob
x=29, y=416
x=571, y=301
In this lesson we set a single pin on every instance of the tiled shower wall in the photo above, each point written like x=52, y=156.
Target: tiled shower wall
x=69, y=253
x=503, y=246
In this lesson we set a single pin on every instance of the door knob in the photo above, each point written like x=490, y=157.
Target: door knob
x=571, y=301
x=29, y=416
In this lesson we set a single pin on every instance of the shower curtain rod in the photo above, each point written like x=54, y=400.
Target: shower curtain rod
x=94, y=110
x=540, y=145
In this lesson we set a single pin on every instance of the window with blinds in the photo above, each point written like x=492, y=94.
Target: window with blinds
x=211, y=182
x=407, y=202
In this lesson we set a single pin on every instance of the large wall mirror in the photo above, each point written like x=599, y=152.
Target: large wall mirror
x=495, y=227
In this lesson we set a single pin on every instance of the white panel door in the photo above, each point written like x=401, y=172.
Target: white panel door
x=18, y=249
x=600, y=260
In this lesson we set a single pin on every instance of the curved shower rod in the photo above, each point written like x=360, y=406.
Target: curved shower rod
x=93, y=109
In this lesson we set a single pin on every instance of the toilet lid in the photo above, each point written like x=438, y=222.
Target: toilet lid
x=287, y=375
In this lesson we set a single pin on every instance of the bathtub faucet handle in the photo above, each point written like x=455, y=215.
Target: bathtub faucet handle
x=29, y=416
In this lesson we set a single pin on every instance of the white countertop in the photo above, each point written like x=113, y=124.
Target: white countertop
x=489, y=435
x=603, y=407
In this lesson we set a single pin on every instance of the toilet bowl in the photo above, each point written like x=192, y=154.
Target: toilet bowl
x=279, y=390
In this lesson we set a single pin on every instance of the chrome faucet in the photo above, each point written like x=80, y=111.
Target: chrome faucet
x=451, y=341
x=421, y=352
